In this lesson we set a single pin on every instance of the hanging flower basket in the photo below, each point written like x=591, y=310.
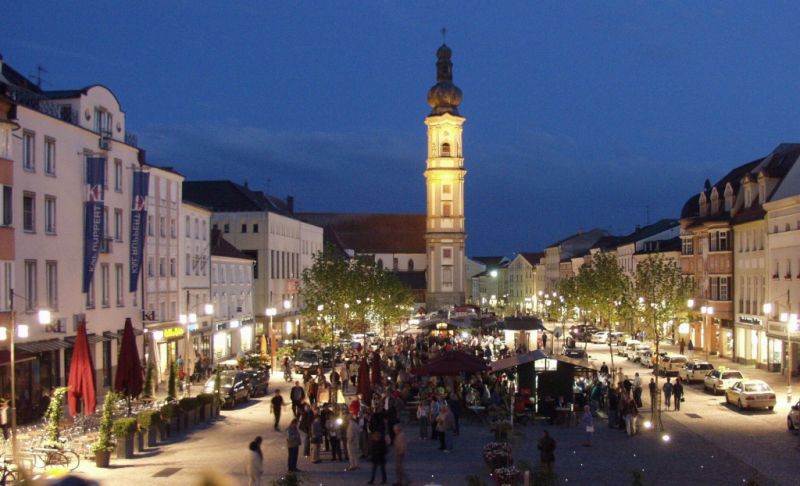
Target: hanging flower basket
x=506, y=475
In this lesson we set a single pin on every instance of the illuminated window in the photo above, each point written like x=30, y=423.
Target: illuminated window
x=445, y=149
x=447, y=210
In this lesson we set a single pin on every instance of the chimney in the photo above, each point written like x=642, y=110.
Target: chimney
x=290, y=203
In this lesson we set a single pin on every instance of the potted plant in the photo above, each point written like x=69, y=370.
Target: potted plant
x=171, y=393
x=103, y=446
x=188, y=406
x=124, y=430
x=149, y=421
x=497, y=455
x=506, y=476
x=147, y=389
x=205, y=401
x=52, y=432
x=170, y=413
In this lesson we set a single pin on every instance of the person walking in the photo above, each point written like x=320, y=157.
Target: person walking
x=353, y=431
x=423, y=411
x=547, y=456
x=400, y=450
x=681, y=345
x=544, y=341
x=441, y=428
x=652, y=387
x=306, y=419
x=667, y=389
x=378, y=456
x=277, y=406
x=297, y=394
x=254, y=466
x=637, y=390
x=677, y=393
x=690, y=347
x=631, y=411
x=316, y=437
x=587, y=422
x=293, y=442
x=334, y=428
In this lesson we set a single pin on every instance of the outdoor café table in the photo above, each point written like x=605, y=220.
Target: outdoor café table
x=479, y=413
x=566, y=415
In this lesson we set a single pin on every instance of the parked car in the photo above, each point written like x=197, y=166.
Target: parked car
x=308, y=360
x=793, y=419
x=671, y=363
x=630, y=345
x=649, y=359
x=577, y=353
x=258, y=382
x=600, y=337
x=234, y=387
x=695, y=371
x=616, y=336
x=639, y=351
x=750, y=394
x=582, y=332
x=721, y=379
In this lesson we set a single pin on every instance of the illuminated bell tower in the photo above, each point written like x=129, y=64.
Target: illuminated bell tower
x=444, y=176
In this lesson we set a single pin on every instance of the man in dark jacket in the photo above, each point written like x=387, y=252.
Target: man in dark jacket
x=306, y=419
x=277, y=407
x=297, y=395
x=547, y=447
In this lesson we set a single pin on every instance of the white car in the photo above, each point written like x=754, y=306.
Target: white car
x=695, y=371
x=640, y=352
x=750, y=394
x=671, y=364
x=721, y=380
x=630, y=346
x=600, y=337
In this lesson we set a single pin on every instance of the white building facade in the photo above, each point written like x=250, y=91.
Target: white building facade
x=195, y=291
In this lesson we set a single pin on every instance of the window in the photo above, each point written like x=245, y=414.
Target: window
x=49, y=215
x=196, y=228
x=255, y=228
x=150, y=230
x=162, y=267
x=163, y=226
x=244, y=227
x=410, y=265
x=445, y=150
x=173, y=228
x=205, y=230
x=6, y=206
x=188, y=230
x=51, y=281
x=151, y=271
x=102, y=122
x=447, y=253
x=788, y=274
x=29, y=212
x=395, y=264
x=380, y=263
x=272, y=264
x=173, y=271
x=254, y=255
x=31, y=298
x=28, y=151
x=226, y=228
x=119, y=276
x=118, y=224
x=719, y=241
x=118, y=175
x=49, y=156
x=107, y=363
x=104, y=283
x=90, y=294
x=447, y=277
x=446, y=210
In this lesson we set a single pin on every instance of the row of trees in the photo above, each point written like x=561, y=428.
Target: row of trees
x=351, y=295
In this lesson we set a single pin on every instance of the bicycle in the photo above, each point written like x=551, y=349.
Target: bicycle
x=44, y=457
x=7, y=475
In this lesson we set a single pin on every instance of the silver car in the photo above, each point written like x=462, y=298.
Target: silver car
x=695, y=371
x=720, y=380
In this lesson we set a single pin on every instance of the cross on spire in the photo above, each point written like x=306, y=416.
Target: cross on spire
x=444, y=35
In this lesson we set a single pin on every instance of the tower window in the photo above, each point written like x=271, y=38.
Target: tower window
x=410, y=265
x=447, y=210
x=445, y=149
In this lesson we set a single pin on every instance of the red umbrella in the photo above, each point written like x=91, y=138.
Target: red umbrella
x=363, y=379
x=376, y=368
x=81, y=375
x=129, y=378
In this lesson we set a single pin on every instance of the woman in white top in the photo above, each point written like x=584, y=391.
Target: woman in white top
x=254, y=466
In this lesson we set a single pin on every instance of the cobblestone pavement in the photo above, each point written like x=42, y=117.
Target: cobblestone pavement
x=221, y=447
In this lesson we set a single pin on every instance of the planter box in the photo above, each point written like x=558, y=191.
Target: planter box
x=125, y=447
x=191, y=418
x=208, y=412
x=140, y=441
x=102, y=458
x=174, y=426
x=151, y=436
x=184, y=421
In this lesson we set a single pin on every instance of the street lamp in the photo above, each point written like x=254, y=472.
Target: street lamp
x=707, y=311
x=44, y=318
x=791, y=326
x=271, y=311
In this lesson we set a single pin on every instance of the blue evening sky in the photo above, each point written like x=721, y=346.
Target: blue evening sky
x=579, y=114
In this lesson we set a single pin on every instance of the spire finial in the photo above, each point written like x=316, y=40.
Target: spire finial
x=444, y=35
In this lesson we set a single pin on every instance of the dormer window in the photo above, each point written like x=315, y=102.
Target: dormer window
x=445, y=152
x=714, y=201
x=728, y=197
x=703, y=203
x=748, y=194
x=762, y=191
x=103, y=122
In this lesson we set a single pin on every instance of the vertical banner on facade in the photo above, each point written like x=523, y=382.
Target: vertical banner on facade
x=141, y=182
x=93, y=222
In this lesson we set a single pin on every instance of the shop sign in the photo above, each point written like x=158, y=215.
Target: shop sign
x=173, y=332
x=749, y=320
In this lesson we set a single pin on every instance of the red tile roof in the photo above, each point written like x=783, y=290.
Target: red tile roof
x=372, y=233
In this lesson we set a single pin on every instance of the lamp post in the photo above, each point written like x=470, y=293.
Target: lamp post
x=791, y=326
x=707, y=311
x=271, y=311
x=44, y=318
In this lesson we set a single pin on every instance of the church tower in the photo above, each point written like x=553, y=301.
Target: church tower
x=444, y=177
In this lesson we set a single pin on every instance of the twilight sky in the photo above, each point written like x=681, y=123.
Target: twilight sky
x=579, y=114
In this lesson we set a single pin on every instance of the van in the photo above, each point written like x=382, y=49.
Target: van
x=630, y=348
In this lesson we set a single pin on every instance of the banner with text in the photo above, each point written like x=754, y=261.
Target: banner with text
x=141, y=182
x=93, y=225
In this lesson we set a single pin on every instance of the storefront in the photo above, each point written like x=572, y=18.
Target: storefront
x=247, y=336
x=750, y=341
x=168, y=341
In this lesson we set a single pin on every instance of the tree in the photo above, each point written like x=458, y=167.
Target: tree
x=662, y=292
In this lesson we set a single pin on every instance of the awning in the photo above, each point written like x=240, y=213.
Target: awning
x=5, y=358
x=118, y=333
x=37, y=347
x=518, y=359
x=91, y=339
x=523, y=324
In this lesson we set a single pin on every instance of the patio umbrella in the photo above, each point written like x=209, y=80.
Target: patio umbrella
x=81, y=375
x=154, y=358
x=363, y=387
x=264, y=356
x=376, y=368
x=129, y=378
x=451, y=364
